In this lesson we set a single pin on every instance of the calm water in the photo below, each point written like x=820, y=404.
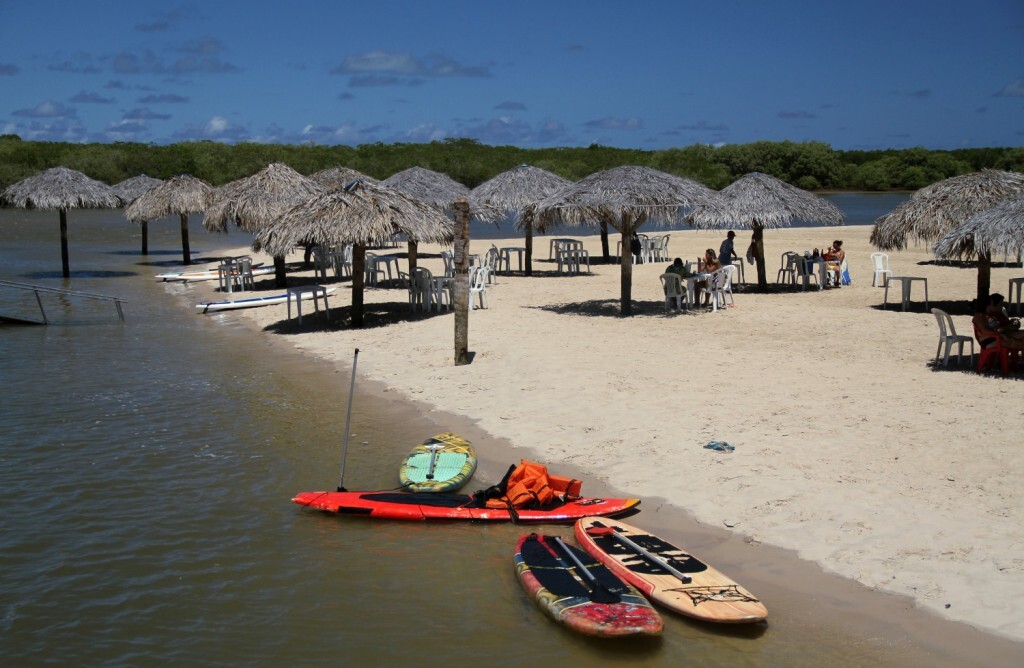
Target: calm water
x=145, y=476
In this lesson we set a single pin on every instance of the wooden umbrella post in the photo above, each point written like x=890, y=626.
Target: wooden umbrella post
x=64, y=243
x=186, y=255
x=461, y=261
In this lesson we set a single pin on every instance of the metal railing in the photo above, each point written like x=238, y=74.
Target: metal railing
x=37, y=289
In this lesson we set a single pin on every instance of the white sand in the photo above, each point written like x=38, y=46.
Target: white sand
x=849, y=448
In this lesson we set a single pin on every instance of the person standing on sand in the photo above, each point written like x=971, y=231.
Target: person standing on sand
x=725, y=251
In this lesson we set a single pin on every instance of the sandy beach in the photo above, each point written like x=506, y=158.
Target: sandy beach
x=851, y=449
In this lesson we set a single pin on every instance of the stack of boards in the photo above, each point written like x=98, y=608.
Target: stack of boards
x=432, y=472
x=600, y=590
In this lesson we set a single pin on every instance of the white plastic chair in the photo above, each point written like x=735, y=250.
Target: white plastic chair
x=449, y=262
x=373, y=269
x=805, y=271
x=719, y=284
x=420, y=285
x=477, y=287
x=244, y=277
x=342, y=261
x=787, y=271
x=492, y=262
x=880, y=261
x=949, y=338
x=672, y=285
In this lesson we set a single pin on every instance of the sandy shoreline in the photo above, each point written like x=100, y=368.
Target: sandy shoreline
x=850, y=449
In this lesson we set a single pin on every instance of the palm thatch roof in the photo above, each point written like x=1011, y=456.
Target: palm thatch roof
x=180, y=195
x=255, y=201
x=361, y=213
x=61, y=188
x=515, y=190
x=757, y=199
x=624, y=197
x=940, y=208
x=334, y=178
x=129, y=189
x=436, y=189
x=999, y=229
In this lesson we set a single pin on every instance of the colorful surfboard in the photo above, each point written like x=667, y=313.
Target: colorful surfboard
x=667, y=574
x=579, y=592
x=443, y=463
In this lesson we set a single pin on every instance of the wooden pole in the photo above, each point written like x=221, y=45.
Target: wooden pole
x=358, y=274
x=186, y=256
x=984, y=275
x=64, y=243
x=762, y=269
x=461, y=261
x=605, y=254
x=528, y=224
x=413, y=255
x=280, y=272
x=626, y=269
x=145, y=237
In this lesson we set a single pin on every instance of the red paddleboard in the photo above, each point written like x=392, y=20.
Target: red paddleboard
x=579, y=592
x=434, y=506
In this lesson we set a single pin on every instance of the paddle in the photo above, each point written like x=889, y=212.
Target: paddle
x=433, y=459
x=599, y=593
x=657, y=561
x=348, y=421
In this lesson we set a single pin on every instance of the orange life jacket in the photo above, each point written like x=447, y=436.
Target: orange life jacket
x=531, y=486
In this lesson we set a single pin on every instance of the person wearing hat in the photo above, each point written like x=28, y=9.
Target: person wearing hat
x=725, y=252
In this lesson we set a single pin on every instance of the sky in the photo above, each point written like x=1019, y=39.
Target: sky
x=940, y=74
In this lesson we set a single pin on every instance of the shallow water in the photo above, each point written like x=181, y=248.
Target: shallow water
x=146, y=469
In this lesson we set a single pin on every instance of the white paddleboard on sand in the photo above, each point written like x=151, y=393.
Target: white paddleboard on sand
x=252, y=302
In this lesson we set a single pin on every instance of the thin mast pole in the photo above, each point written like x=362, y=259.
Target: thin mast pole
x=348, y=422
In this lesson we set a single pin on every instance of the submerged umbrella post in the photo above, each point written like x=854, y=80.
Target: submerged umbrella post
x=348, y=422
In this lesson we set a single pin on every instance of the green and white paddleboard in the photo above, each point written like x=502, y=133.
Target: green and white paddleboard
x=443, y=463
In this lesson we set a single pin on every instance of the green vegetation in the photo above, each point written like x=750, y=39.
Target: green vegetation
x=810, y=165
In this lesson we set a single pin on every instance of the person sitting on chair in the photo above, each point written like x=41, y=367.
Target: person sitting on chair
x=992, y=325
x=834, y=257
x=677, y=267
x=708, y=264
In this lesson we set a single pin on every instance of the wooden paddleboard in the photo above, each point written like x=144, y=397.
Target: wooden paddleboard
x=602, y=606
x=443, y=463
x=710, y=595
x=453, y=506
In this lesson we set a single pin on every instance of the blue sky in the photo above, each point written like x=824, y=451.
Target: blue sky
x=648, y=75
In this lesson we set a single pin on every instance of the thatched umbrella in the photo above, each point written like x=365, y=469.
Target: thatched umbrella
x=624, y=198
x=254, y=202
x=517, y=191
x=62, y=189
x=942, y=207
x=999, y=229
x=129, y=190
x=181, y=195
x=434, y=188
x=360, y=214
x=334, y=178
x=757, y=201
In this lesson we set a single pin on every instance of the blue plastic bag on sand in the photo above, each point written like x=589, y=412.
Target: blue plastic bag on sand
x=720, y=446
